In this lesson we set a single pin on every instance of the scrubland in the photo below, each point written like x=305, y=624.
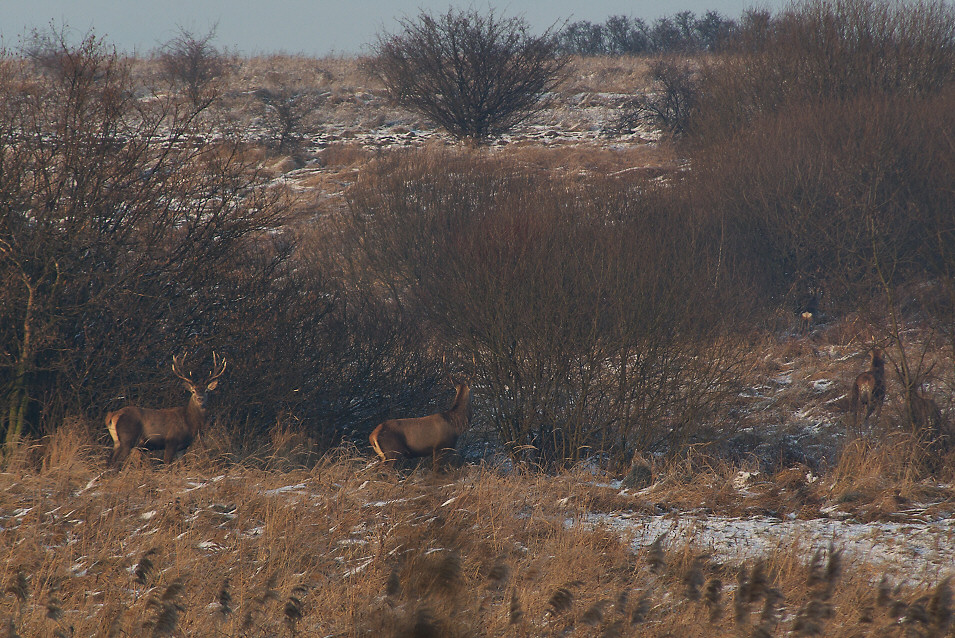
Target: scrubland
x=660, y=311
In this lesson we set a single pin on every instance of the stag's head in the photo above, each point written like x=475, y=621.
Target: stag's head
x=877, y=359
x=200, y=389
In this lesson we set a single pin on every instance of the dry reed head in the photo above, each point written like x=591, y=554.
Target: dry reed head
x=515, y=612
x=294, y=609
x=166, y=608
x=561, y=600
x=224, y=599
x=19, y=586
x=641, y=609
x=713, y=597
x=594, y=614
x=146, y=566
x=656, y=556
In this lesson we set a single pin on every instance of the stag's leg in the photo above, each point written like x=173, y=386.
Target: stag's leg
x=126, y=431
x=859, y=416
x=114, y=460
x=169, y=453
x=874, y=407
x=445, y=459
x=119, y=455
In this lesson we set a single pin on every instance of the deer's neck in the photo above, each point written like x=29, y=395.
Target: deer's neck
x=458, y=412
x=195, y=415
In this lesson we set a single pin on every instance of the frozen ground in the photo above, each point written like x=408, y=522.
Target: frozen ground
x=924, y=551
x=918, y=546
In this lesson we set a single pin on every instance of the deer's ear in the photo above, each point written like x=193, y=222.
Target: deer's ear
x=212, y=386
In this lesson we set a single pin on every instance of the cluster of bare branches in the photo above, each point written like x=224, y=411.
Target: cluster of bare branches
x=476, y=75
x=582, y=317
x=131, y=229
x=193, y=62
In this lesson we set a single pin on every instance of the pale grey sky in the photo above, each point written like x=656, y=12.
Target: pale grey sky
x=314, y=27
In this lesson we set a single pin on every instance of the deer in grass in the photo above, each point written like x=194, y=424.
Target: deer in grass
x=427, y=435
x=868, y=391
x=170, y=429
x=924, y=413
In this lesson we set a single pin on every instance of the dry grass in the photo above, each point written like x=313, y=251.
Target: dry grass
x=607, y=74
x=344, y=548
x=581, y=162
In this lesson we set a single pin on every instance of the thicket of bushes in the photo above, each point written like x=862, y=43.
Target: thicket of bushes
x=828, y=148
x=134, y=229
x=597, y=318
x=580, y=312
x=682, y=32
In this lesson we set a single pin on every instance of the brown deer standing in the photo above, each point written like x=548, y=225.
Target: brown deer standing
x=925, y=415
x=170, y=429
x=428, y=435
x=868, y=391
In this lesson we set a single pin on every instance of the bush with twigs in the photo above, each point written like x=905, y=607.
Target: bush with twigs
x=587, y=324
x=476, y=75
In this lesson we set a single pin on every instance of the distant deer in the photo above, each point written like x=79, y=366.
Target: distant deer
x=925, y=417
x=170, y=429
x=868, y=391
x=427, y=435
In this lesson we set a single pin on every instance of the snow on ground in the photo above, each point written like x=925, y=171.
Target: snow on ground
x=907, y=550
x=920, y=548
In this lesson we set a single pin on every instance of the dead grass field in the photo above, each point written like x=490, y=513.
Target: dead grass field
x=346, y=548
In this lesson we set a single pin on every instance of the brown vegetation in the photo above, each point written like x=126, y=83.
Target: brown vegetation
x=214, y=549
x=618, y=302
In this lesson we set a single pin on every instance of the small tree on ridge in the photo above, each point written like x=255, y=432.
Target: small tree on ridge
x=476, y=75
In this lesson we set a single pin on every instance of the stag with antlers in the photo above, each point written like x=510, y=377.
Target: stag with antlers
x=170, y=429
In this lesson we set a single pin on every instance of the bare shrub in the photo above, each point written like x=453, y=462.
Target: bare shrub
x=476, y=75
x=130, y=231
x=669, y=104
x=99, y=259
x=846, y=196
x=192, y=61
x=289, y=106
x=828, y=49
x=587, y=325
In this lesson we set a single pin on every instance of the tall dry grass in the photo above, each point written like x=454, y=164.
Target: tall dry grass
x=344, y=548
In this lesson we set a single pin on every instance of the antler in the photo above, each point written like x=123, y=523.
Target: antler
x=177, y=367
x=218, y=367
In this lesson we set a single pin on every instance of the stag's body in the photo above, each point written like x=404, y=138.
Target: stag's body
x=868, y=391
x=428, y=435
x=170, y=429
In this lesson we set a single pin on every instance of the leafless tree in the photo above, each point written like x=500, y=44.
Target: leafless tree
x=288, y=107
x=192, y=61
x=669, y=104
x=476, y=75
x=581, y=317
x=112, y=229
